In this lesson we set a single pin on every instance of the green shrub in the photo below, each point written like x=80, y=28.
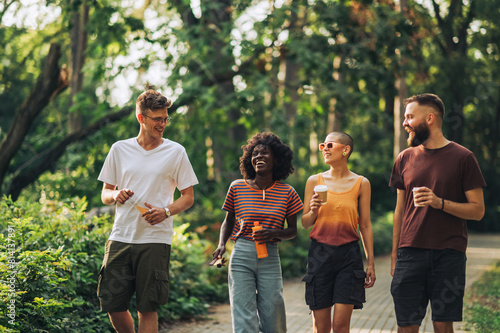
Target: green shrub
x=484, y=303
x=382, y=234
x=194, y=284
x=293, y=253
x=52, y=252
x=49, y=265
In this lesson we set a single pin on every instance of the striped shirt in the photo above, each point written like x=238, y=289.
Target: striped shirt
x=248, y=205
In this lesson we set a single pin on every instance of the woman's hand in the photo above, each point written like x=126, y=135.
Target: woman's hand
x=315, y=204
x=264, y=235
x=370, y=276
x=219, y=252
x=225, y=231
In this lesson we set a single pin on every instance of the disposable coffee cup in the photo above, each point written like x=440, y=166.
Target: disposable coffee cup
x=322, y=191
x=415, y=189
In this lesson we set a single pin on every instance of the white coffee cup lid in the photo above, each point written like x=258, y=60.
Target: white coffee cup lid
x=320, y=188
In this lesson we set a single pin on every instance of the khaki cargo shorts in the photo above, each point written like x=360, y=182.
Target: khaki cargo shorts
x=129, y=268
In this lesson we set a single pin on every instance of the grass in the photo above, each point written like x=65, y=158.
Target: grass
x=484, y=303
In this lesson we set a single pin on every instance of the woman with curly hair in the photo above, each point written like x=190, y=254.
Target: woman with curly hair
x=255, y=284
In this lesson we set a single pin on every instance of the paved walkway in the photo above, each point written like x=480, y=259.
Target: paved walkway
x=377, y=315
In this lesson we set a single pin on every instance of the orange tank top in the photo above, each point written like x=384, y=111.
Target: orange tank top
x=337, y=221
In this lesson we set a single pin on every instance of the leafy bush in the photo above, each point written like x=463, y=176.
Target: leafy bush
x=50, y=255
x=484, y=299
x=193, y=283
x=293, y=253
x=50, y=258
x=382, y=233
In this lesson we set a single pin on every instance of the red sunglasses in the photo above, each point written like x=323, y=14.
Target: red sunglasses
x=329, y=145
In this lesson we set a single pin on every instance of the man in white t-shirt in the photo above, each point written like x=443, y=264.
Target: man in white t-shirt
x=140, y=176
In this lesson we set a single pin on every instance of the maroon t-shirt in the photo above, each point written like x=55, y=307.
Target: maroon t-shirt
x=449, y=172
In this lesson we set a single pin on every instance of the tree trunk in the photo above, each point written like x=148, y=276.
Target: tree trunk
x=399, y=116
x=399, y=109
x=78, y=47
x=51, y=82
x=290, y=69
x=453, y=43
x=216, y=18
x=290, y=86
x=334, y=116
x=46, y=160
x=496, y=135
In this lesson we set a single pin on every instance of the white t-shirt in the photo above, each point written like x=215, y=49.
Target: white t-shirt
x=153, y=176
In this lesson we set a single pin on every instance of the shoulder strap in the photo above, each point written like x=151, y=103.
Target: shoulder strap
x=358, y=183
x=320, y=179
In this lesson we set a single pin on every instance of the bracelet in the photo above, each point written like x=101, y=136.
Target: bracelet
x=442, y=206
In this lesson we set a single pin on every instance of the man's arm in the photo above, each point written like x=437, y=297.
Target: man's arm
x=473, y=209
x=110, y=195
x=396, y=230
x=156, y=215
x=184, y=202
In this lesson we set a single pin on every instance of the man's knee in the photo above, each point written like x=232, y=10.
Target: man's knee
x=408, y=329
x=443, y=326
x=147, y=315
x=122, y=321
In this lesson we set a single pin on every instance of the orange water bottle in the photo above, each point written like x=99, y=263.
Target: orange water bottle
x=261, y=248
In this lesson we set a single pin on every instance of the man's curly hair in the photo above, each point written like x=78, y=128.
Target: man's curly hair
x=151, y=100
x=282, y=154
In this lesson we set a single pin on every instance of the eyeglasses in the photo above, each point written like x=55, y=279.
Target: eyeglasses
x=167, y=120
x=329, y=145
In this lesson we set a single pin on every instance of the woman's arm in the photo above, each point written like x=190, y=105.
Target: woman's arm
x=311, y=203
x=365, y=228
x=265, y=235
x=225, y=232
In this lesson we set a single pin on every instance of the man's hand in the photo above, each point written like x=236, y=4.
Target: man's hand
x=154, y=215
x=121, y=196
x=426, y=197
x=110, y=195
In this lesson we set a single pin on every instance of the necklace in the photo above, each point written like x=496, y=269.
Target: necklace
x=263, y=189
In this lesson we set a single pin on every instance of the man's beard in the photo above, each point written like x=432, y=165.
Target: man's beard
x=420, y=134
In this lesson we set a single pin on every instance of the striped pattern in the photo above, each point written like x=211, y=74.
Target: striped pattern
x=247, y=205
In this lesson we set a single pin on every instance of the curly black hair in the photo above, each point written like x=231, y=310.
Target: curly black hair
x=282, y=154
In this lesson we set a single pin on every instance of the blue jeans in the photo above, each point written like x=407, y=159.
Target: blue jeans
x=256, y=290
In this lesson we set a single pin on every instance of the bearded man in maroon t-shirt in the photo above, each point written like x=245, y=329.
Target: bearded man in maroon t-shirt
x=430, y=230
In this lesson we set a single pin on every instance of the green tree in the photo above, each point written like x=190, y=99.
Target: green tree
x=37, y=135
